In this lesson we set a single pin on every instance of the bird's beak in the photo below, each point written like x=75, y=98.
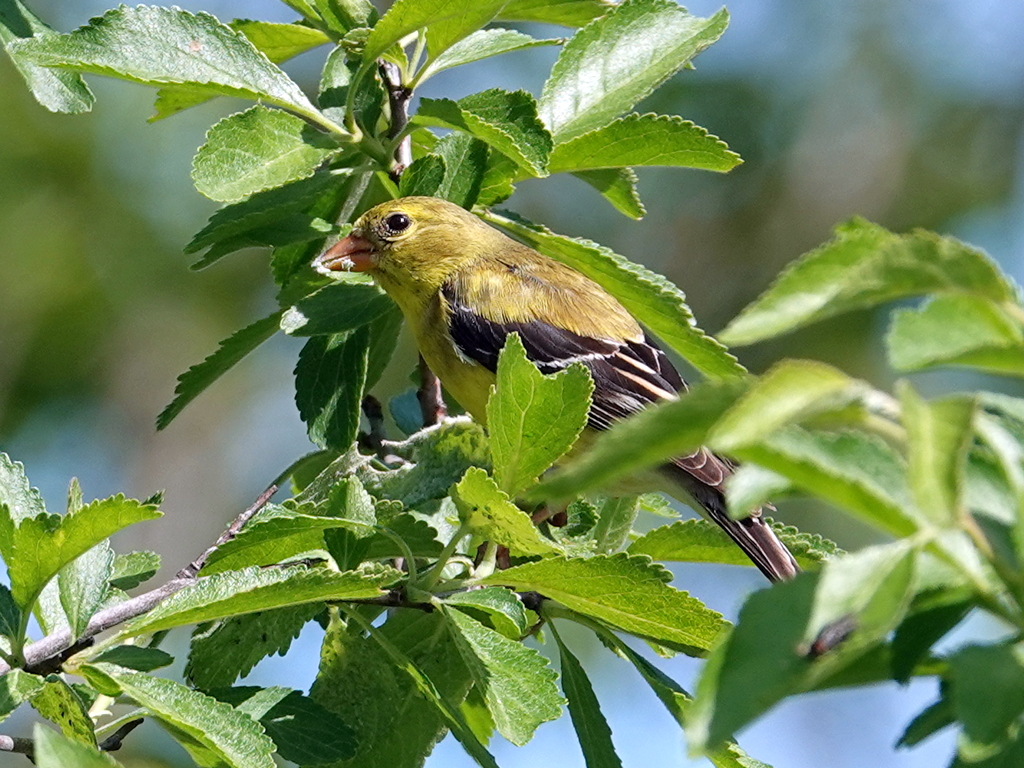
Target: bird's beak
x=353, y=254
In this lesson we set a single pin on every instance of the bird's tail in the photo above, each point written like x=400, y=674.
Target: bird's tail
x=701, y=474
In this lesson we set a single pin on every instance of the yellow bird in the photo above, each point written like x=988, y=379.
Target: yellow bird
x=463, y=286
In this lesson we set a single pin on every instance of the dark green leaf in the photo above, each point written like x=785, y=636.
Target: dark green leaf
x=133, y=568
x=533, y=419
x=610, y=65
x=197, y=378
x=591, y=727
x=56, y=90
x=424, y=177
x=618, y=187
x=58, y=703
x=919, y=632
x=256, y=150
x=516, y=682
x=336, y=308
x=491, y=515
x=644, y=140
x=136, y=657
x=159, y=46
x=329, y=381
x=649, y=297
x=930, y=720
x=987, y=689
x=465, y=164
x=10, y=615
x=626, y=591
x=229, y=649
x=862, y=266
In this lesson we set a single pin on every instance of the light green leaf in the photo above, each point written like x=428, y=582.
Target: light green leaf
x=229, y=649
x=230, y=351
x=988, y=690
x=645, y=440
x=278, y=42
x=17, y=687
x=256, y=150
x=335, y=308
x=329, y=381
x=644, y=140
x=862, y=266
x=352, y=663
x=84, y=584
x=52, y=750
x=131, y=569
x=501, y=607
x=627, y=592
x=618, y=187
x=613, y=63
x=492, y=516
x=57, y=702
x=213, y=733
x=533, y=419
x=516, y=682
x=649, y=297
x=236, y=592
x=482, y=44
x=303, y=731
x=615, y=518
x=750, y=487
x=56, y=90
x=956, y=329
x=45, y=544
x=939, y=435
x=158, y=46
x=445, y=21
x=568, y=13
x=20, y=499
x=591, y=726
x=507, y=121
x=700, y=541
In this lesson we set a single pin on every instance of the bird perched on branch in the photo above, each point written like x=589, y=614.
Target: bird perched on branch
x=463, y=286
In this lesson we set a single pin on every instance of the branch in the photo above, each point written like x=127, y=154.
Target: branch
x=40, y=652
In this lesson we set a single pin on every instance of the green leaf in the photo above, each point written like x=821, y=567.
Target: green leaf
x=587, y=719
x=482, y=44
x=956, y=329
x=256, y=150
x=336, y=308
x=700, y=541
x=84, y=584
x=644, y=140
x=474, y=709
x=278, y=42
x=865, y=265
x=916, y=635
x=647, y=439
x=516, y=682
x=491, y=515
x=939, y=435
x=213, y=733
x=465, y=164
x=56, y=90
x=627, y=592
x=445, y=21
x=17, y=687
x=329, y=381
x=158, y=46
x=19, y=498
x=230, y=351
x=987, y=690
x=502, y=608
x=352, y=663
x=271, y=540
x=929, y=721
x=533, y=419
x=291, y=260
x=424, y=177
x=649, y=297
x=615, y=518
x=10, y=615
x=303, y=731
x=253, y=589
x=57, y=702
x=45, y=544
x=133, y=568
x=613, y=63
x=568, y=13
x=750, y=487
x=229, y=649
x=136, y=657
x=618, y=187
x=507, y=121
x=53, y=750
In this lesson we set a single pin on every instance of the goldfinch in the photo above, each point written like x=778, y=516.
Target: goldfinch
x=463, y=286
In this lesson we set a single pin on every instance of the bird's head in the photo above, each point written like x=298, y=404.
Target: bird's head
x=410, y=242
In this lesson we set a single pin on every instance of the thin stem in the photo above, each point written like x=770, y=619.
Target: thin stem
x=407, y=553
x=434, y=574
x=490, y=558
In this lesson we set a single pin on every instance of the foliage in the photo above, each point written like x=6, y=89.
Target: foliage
x=456, y=509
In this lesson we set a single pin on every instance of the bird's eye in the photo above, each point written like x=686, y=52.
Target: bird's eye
x=397, y=222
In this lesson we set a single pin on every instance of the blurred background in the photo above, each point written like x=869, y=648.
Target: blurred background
x=907, y=112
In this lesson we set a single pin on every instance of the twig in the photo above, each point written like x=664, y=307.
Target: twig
x=53, y=645
x=113, y=742
x=429, y=396
x=19, y=745
x=398, y=99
